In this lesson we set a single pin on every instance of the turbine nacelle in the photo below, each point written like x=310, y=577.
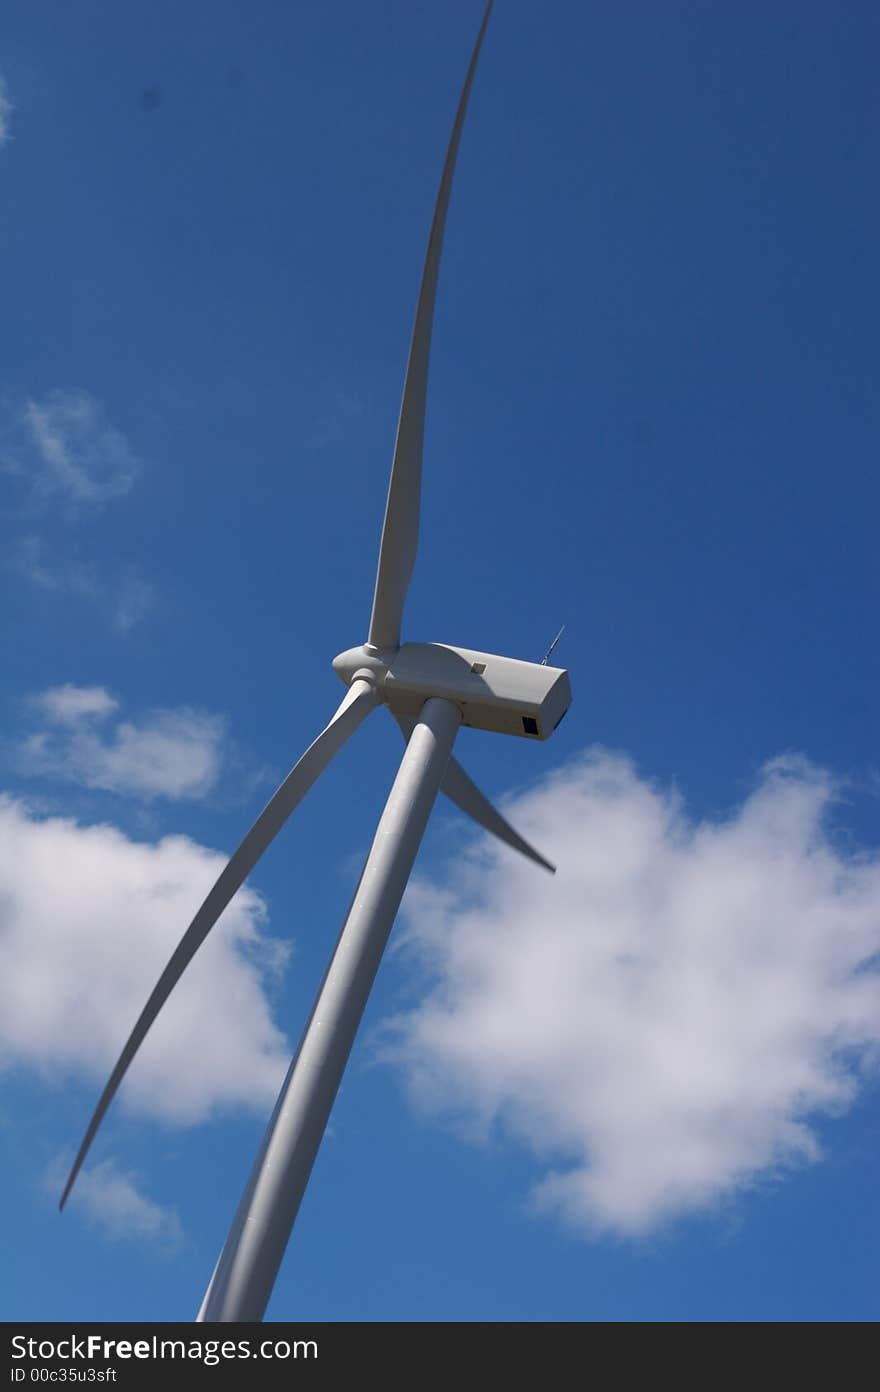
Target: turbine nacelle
x=496, y=693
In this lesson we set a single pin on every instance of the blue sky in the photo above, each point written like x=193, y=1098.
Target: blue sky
x=647, y=1089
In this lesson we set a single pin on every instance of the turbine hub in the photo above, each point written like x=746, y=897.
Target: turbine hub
x=365, y=662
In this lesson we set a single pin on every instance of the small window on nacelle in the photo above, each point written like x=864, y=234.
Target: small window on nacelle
x=530, y=724
x=479, y=668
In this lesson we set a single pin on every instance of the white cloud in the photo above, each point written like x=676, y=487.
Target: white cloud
x=68, y=704
x=110, y=1199
x=88, y=919
x=663, y=1023
x=76, y=453
x=170, y=753
x=5, y=113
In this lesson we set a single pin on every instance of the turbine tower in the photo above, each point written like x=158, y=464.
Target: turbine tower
x=431, y=689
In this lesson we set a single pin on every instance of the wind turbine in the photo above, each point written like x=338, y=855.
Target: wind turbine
x=431, y=689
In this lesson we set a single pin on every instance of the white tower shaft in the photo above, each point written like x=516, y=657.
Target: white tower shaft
x=246, y=1271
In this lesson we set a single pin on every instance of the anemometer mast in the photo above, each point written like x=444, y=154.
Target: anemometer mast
x=430, y=689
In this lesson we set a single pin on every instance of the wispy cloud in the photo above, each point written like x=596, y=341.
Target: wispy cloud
x=335, y=421
x=88, y=920
x=125, y=602
x=65, y=461
x=5, y=113
x=111, y=1200
x=169, y=753
x=663, y=1023
x=134, y=598
x=29, y=557
x=76, y=453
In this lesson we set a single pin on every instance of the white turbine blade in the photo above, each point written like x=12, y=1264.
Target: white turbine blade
x=400, y=533
x=359, y=701
x=462, y=790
